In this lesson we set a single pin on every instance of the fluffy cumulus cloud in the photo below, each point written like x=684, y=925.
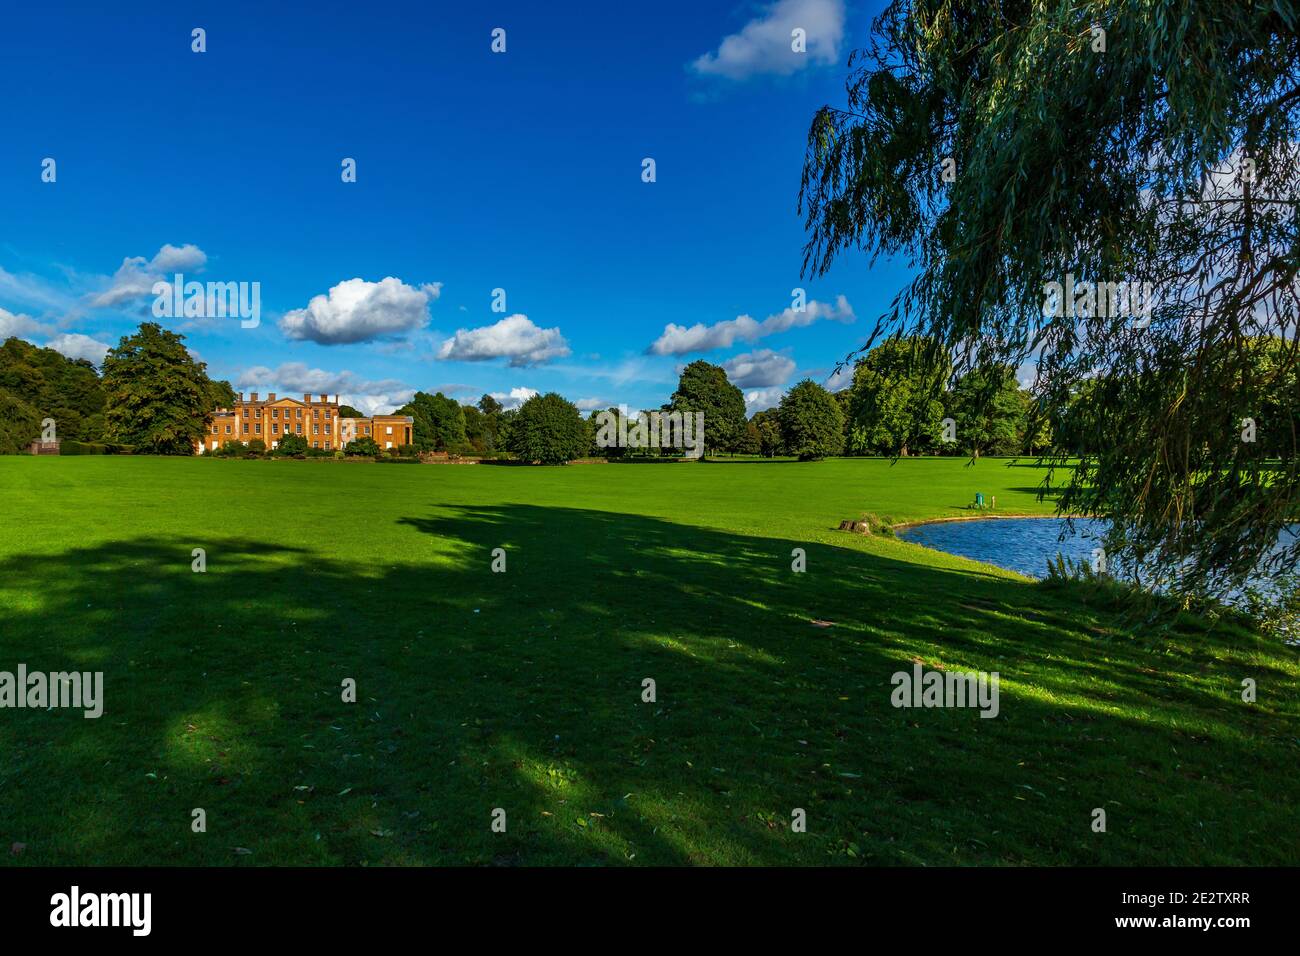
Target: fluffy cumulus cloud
x=765, y=45
x=761, y=398
x=74, y=345
x=515, y=397
x=759, y=369
x=136, y=277
x=295, y=379
x=356, y=310
x=20, y=325
x=515, y=338
x=590, y=404
x=680, y=340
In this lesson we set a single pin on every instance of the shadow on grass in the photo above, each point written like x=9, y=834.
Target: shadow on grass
x=523, y=691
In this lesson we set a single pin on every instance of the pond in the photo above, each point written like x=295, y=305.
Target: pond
x=1027, y=544
x=1017, y=544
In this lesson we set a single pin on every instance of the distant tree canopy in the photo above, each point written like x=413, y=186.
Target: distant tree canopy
x=1043, y=167
x=438, y=420
x=811, y=421
x=550, y=430
x=291, y=445
x=767, y=426
x=895, y=402
x=347, y=411
x=988, y=408
x=158, y=397
x=704, y=387
x=50, y=385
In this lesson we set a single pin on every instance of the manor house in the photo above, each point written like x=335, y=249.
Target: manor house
x=316, y=419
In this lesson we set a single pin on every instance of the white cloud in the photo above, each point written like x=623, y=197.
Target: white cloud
x=590, y=404
x=679, y=340
x=840, y=380
x=74, y=345
x=514, y=337
x=136, y=276
x=758, y=369
x=21, y=325
x=356, y=310
x=764, y=44
x=762, y=398
x=514, y=398
x=295, y=379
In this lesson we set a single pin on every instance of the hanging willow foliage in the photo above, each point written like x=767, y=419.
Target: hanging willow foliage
x=1108, y=192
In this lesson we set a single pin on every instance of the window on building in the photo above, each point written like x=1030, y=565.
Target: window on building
x=327, y=428
x=388, y=444
x=227, y=429
x=245, y=412
x=389, y=430
x=367, y=429
x=275, y=413
x=245, y=428
x=315, y=413
x=315, y=444
x=297, y=413
x=258, y=428
x=298, y=428
x=214, y=429
x=327, y=444
x=275, y=428
x=315, y=429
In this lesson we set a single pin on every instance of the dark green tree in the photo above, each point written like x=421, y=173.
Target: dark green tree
x=989, y=410
x=439, y=422
x=705, y=388
x=771, y=442
x=20, y=424
x=895, y=402
x=549, y=429
x=811, y=421
x=67, y=390
x=158, y=397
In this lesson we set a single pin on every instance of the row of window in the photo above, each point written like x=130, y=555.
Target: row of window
x=275, y=413
x=275, y=429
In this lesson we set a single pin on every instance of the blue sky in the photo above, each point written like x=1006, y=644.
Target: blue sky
x=475, y=170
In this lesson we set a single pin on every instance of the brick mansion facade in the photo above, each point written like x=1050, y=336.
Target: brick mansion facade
x=315, y=419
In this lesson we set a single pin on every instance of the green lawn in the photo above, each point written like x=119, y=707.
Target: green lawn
x=522, y=690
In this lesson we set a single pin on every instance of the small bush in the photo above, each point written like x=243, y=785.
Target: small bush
x=363, y=446
x=291, y=446
x=256, y=449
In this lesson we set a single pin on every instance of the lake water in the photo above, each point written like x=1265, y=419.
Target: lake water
x=1026, y=544
x=1018, y=544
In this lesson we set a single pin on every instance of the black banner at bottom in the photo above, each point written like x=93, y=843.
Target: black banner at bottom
x=337, y=905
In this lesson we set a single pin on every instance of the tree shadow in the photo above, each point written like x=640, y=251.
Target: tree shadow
x=523, y=690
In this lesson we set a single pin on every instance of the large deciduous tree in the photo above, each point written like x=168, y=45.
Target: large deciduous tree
x=895, y=405
x=439, y=422
x=549, y=429
x=704, y=387
x=158, y=397
x=1108, y=188
x=811, y=421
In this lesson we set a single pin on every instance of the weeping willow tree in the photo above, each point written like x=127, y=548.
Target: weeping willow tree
x=1107, y=191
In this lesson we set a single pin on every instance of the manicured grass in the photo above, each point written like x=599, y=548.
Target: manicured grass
x=522, y=690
